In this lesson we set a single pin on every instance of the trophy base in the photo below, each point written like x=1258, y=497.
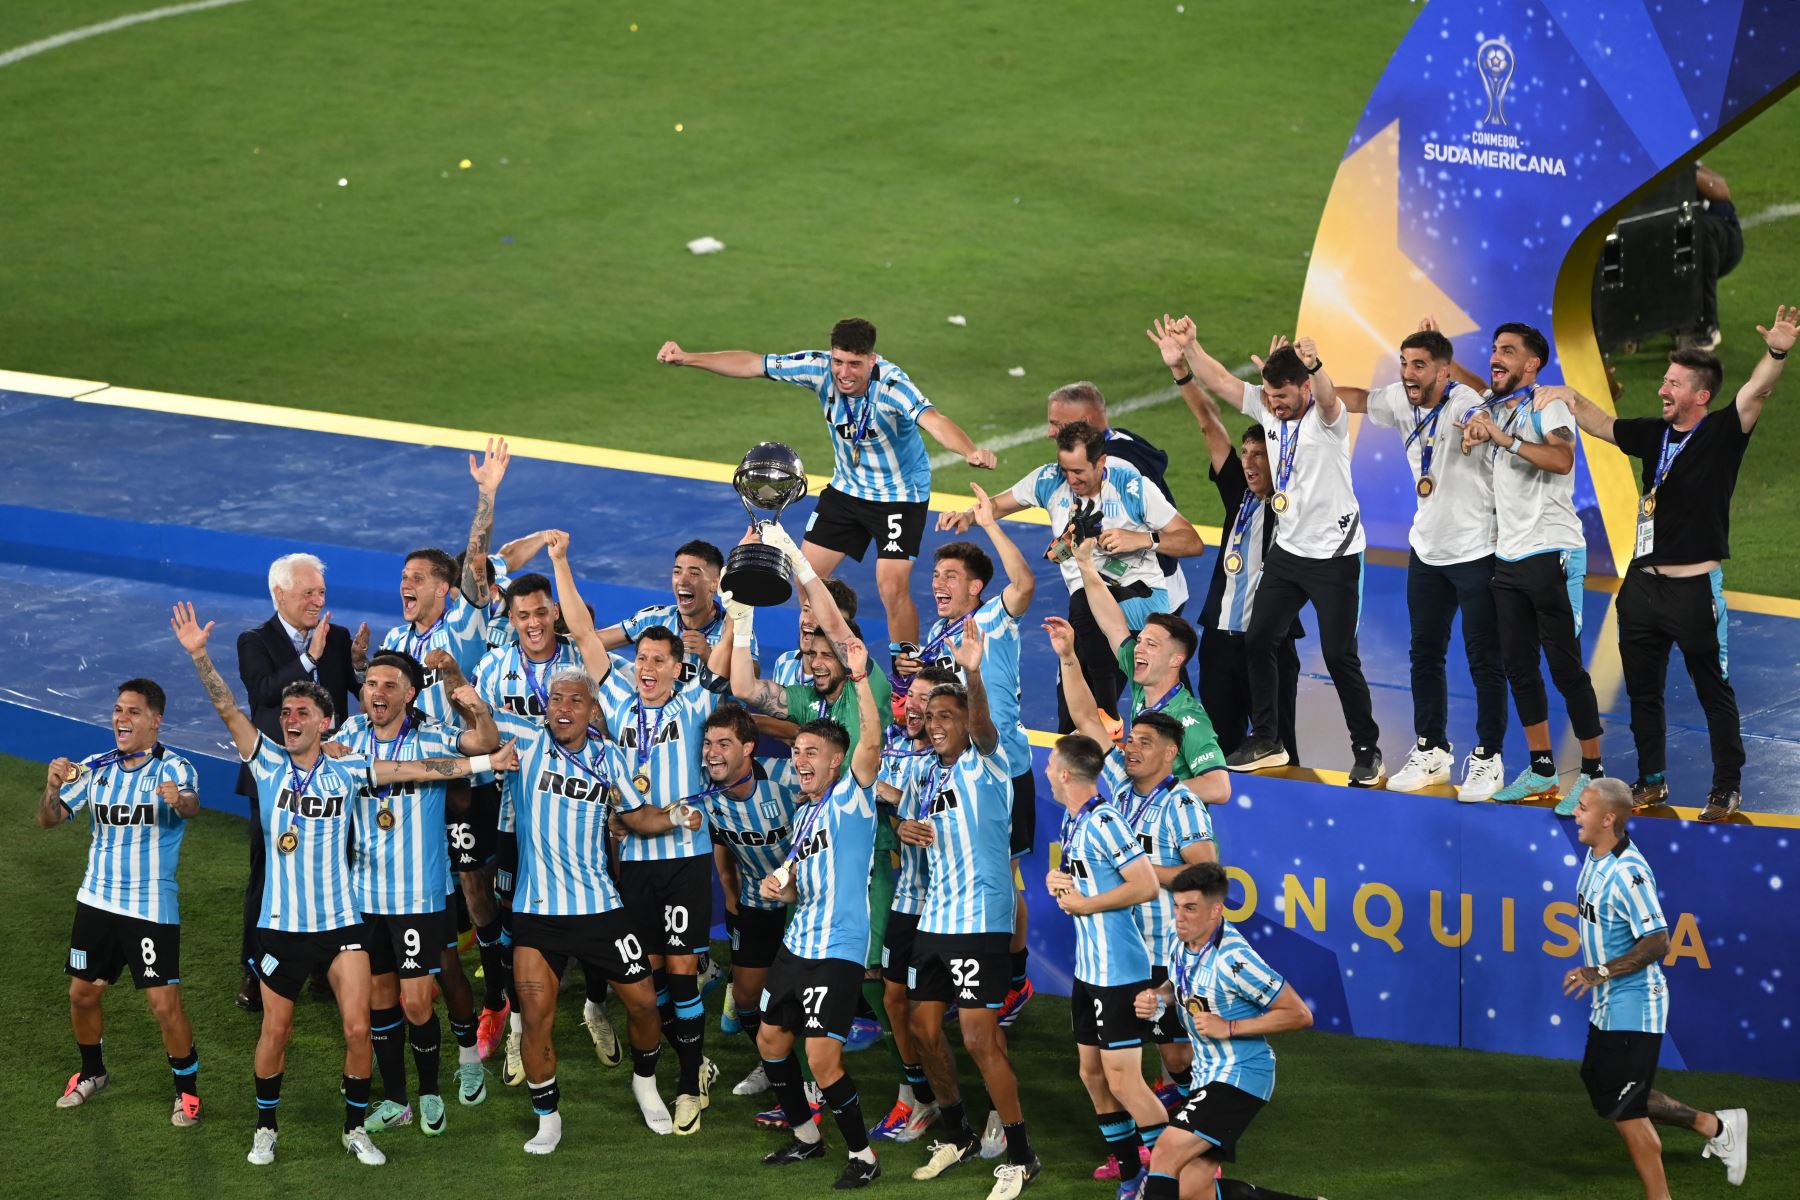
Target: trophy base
x=757, y=575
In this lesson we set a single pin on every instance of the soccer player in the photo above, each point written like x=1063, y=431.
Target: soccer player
x=881, y=476
x=665, y=861
x=697, y=616
x=1317, y=557
x=1542, y=560
x=1624, y=937
x=960, y=952
x=751, y=806
x=1673, y=593
x=1153, y=659
x=1089, y=496
x=790, y=667
x=139, y=796
x=400, y=871
x=816, y=978
x=566, y=905
x=1231, y=1001
x=503, y=564
x=309, y=911
x=1103, y=878
x=906, y=758
x=1451, y=561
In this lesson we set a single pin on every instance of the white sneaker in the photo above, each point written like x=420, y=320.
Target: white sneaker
x=512, y=1072
x=753, y=1084
x=1732, y=1146
x=1482, y=777
x=917, y=1122
x=1425, y=766
x=993, y=1138
x=650, y=1103
x=940, y=1158
x=262, y=1148
x=687, y=1115
x=80, y=1091
x=709, y=1075
x=1010, y=1179
x=600, y=1028
x=549, y=1134
x=358, y=1142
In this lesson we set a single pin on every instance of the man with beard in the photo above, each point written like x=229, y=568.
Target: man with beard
x=697, y=617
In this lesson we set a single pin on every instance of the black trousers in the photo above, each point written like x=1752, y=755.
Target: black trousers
x=1656, y=613
x=1433, y=596
x=1720, y=247
x=1099, y=665
x=1532, y=599
x=1333, y=586
x=1225, y=688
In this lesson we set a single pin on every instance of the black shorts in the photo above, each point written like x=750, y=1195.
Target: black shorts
x=1218, y=1113
x=472, y=832
x=410, y=945
x=1107, y=1016
x=102, y=944
x=1618, y=1067
x=897, y=946
x=606, y=943
x=847, y=525
x=1024, y=814
x=671, y=901
x=284, y=961
x=969, y=970
x=812, y=997
x=1168, y=1029
x=755, y=935
x=506, y=864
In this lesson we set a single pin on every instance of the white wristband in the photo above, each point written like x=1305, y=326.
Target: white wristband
x=803, y=570
x=481, y=764
x=743, y=631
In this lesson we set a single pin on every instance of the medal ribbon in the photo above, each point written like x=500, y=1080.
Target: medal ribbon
x=415, y=640
x=1240, y=528
x=575, y=761
x=1425, y=433
x=1667, y=458
x=1144, y=805
x=1524, y=395
x=646, y=734
x=294, y=817
x=806, y=824
x=382, y=793
x=1071, y=825
x=1288, y=448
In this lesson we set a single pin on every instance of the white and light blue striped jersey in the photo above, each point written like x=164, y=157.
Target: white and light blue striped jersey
x=999, y=672
x=969, y=862
x=1226, y=976
x=508, y=681
x=790, y=670
x=1097, y=847
x=461, y=629
x=833, y=852
x=905, y=767
x=1165, y=820
x=669, y=617
x=306, y=885
x=661, y=749
x=400, y=863
x=759, y=828
x=877, y=451
x=1127, y=501
x=137, y=836
x=564, y=800
x=499, y=630
x=1617, y=904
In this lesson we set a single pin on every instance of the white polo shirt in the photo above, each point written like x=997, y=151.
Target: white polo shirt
x=1456, y=522
x=1536, y=507
x=1322, y=519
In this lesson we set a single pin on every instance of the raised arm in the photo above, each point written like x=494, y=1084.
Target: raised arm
x=1331, y=399
x=1021, y=584
x=520, y=551
x=487, y=475
x=1780, y=336
x=733, y=364
x=981, y=721
x=1172, y=339
x=951, y=437
x=1101, y=602
x=193, y=637
x=51, y=811
x=482, y=736
x=1003, y=505
x=1591, y=417
x=1211, y=373
x=1084, y=713
x=594, y=655
x=426, y=770
x=865, y=756
x=1458, y=372
x=825, y=609
x=758, y=695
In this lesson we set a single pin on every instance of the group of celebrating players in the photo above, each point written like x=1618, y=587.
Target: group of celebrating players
x=511, y=770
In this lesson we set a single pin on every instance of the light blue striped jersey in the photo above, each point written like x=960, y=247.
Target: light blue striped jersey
x=759, y=828
x=461, y=629
x=905, y=767
x=999, y=671
x=562, y=804
x=661, y=743
x=1229, y=978
x=508, y=681
x=877, y=451
x=1617, y=904
x=400, y=863
x=499, y=630
x=1097, y=847
x=137, y=836
x=669, y=617
x=833, y=851
x=790, y=670
x=1168, y=818
x=1127, y=501
x=969, y=862
x=307, y=888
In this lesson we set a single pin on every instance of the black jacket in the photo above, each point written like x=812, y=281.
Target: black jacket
x=268, y=662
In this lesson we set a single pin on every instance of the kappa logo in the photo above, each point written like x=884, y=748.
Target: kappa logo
x=675, y=940
x=813, y=1023
x=966, y=994
x=78, y=960
x=892, y=548
x=150, y=972
x=634, y=969
x=409, y=965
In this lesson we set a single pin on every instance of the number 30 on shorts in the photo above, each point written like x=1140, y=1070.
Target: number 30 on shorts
x=675, y=918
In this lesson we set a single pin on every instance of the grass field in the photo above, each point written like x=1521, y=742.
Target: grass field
x=1351, y=1118
x=1057, y=175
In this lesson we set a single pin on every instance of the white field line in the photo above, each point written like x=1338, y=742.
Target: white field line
x=58, y=40
x=1775, y=212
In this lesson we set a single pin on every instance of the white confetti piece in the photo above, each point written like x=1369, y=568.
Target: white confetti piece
x=958, y=319
x=706, y=245
x=1017, y=372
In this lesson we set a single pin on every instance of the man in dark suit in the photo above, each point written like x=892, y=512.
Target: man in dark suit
x=298, y=642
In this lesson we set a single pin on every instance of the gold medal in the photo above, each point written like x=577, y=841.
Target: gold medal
x=1647, y=506
x=641, y=781
x=385, y=818
x=614, y=796
x=1426, y=486
x=1279, y=502
x=288, y=842
x=1234, y=562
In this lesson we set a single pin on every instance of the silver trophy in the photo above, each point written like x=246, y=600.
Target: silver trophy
x=770, y=478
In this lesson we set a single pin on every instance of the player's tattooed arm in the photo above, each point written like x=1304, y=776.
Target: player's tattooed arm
x=762, y=696
x=487, y=475
x=193, y=637
x=1648, y=949
x=427, y=770
x=50, y=810
x=185, y=801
